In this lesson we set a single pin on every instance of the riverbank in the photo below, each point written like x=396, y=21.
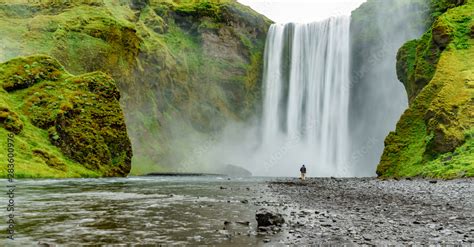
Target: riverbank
x=372, y=211
x=207, y=210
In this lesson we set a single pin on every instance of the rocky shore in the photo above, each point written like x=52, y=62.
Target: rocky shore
x=371, y=211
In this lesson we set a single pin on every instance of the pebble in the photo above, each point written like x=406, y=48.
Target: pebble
x=367, y=237
x=368, y=211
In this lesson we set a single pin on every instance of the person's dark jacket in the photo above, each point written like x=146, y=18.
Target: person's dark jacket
x=303, y=169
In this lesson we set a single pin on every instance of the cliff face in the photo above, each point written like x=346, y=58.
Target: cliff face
x=378, y=30
x=181, y=66
x=66, y=126
x=434, y=137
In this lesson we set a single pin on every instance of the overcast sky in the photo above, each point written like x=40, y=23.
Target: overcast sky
x=283, y=11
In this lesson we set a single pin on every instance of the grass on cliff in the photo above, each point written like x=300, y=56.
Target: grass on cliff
x=27, y=164
x=32, y=147
x=179, y=80
x=434, y=136
x=451, y=89
x=459, y=163
x=47, y=100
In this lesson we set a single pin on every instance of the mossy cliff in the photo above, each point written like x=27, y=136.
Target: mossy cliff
x=435, y=136
x=181, y=66
x=65, y=125
x=378, y=29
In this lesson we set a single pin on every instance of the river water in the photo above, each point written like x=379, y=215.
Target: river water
x=145, y=210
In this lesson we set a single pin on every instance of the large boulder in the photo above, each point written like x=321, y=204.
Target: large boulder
x=267, y=218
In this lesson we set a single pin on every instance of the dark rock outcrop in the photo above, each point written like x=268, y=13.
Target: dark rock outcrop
x=267, y=218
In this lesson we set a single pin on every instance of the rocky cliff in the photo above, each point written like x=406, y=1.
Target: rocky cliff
x=434, y=137
x=65, y=125
x=183, y=68
x=378, y=99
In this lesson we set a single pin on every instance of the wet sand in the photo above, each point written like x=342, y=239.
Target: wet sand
x=371, y=211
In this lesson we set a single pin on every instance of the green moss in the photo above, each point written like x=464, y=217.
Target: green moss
x=438, y=7
x=80, y=115
x=208, y=24
x=427, y=57
x=10, y=121
x=431, y=139
x=24, y=72
x=416, y=68
x=50, y=160
x=199, y=8
x=193, y=62
x=456, y=164
x=406, y=59
x=153, y=21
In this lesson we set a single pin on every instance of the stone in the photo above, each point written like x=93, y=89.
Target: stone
x=266, y=218
x=368, y=237
x=245, y=223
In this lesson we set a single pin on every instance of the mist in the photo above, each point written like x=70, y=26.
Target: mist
x=377, y=100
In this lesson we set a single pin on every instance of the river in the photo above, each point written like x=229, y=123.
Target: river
x=146, y=210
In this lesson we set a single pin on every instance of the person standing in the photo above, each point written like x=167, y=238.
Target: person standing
x=303, y=172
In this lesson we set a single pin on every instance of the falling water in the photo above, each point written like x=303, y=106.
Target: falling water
x=306, y=96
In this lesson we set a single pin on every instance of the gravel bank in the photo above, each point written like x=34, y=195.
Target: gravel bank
x=372, y=211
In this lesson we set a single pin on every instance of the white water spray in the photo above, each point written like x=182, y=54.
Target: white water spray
x=306, y=97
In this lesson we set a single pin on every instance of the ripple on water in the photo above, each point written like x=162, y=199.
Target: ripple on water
x=145, y=210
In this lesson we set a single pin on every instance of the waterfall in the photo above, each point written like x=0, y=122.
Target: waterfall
x=306, y=97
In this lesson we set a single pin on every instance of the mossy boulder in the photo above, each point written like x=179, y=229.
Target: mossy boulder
x=434, y=136
x=10, y=121
x=80, y=115
x=23, y=72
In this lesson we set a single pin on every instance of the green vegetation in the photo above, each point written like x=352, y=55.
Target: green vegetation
x=434, y=136
x=438, y=7
x=193, y=64
x=66, y=126
x=10, y=120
